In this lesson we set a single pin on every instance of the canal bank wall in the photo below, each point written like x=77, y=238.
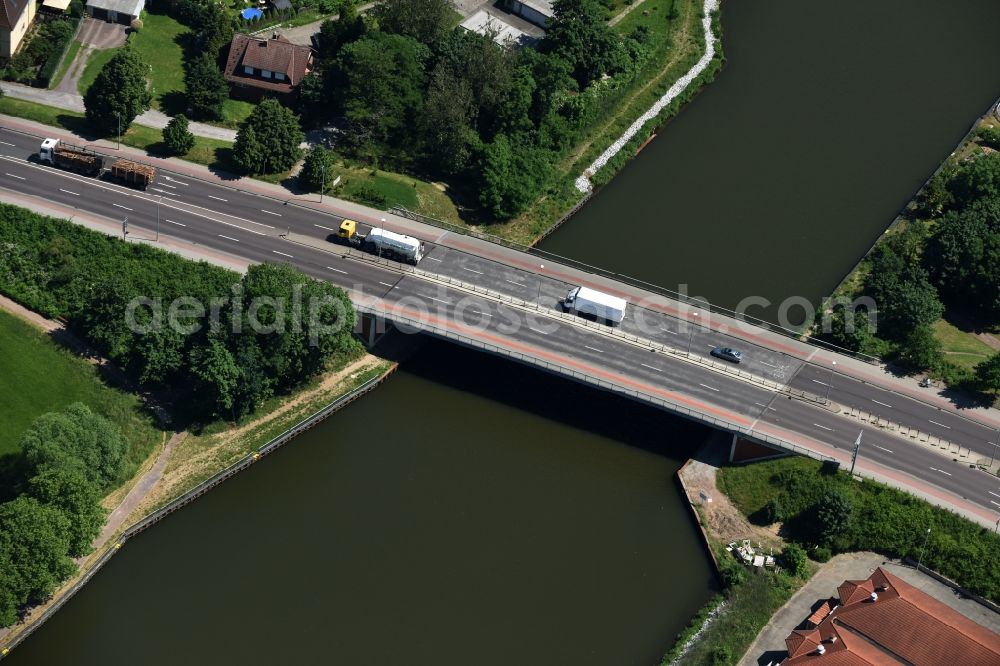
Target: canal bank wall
x=19, y=634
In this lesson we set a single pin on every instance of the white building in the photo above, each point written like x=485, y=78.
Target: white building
x=538, y=12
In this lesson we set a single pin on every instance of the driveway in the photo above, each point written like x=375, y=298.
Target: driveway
x=302, y=35
x=93, y=35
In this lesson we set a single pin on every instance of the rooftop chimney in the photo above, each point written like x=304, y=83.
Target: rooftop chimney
x=874, y=597
x=821, y=649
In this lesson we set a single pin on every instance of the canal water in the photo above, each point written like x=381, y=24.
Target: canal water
x=473, y=511
x=494, y=517
x=780, y=175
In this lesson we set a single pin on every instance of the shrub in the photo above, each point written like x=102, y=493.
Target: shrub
x=793, y=558
x=822, y=554
x=178, y=139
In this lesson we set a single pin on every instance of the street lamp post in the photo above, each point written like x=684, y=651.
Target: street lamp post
x=119, y=117
x=830, y=383
x=158, y=199
x=538, y=295
x=691, y=334
x=996, y=436
x=322, y=181
x=924, y=547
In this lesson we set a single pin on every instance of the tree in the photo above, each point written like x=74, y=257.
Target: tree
x=215, y=29
x=119, y=93
x=176, y=136
x=579, y=34
x=78, y=439
x=424, y=20
x=383, y=86
x=268, y=140
x=979, y=179
x=447, y=119
x=833, y=514
x=513, y=172
x=206, y=87
x=794, y=559
x=67, y=489
x=349, y=27
x=988, y=374
x=921, y=349
x=963, y=257
x=317, y=171
x=35, y=539
x=217, y=374
x=903, y=293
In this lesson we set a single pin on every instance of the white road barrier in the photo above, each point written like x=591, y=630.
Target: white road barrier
x=583, y=182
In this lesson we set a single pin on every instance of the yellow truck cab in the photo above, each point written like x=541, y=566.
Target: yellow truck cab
x=347, y=230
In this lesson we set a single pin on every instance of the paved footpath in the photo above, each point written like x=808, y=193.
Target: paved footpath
x=71, y=101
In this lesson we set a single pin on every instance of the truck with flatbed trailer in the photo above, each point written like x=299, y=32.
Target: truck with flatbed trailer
x=590, y=302
x=89, y=163
x=381, y=242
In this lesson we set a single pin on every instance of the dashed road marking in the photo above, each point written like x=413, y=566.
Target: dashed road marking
x=760, y=404
x=941, y=470
x=651, y=367
x=388, y=284
x=823, y=427
x=464, y=268
x=322, y=227
x=770, y=365
x=819, y=382
x=270, y=212
x=667, y=330
x=599, y=351
x=172, y=222
x=878, y=402
x=538, y=330
x=283, y=254
x=992, y=502
x=6, y=144
x=710, y=388
x=18, y=177
x=236, y=240
x=337, y=270
x=519, y=284
x=218, y=198
x=992, y=493
x=883, y=448
x=433, y=259
x=75, y=194
x=121, y=206
x=439, y=300
x=940, y=424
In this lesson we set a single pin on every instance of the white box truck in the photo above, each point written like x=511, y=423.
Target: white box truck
x=585, y=301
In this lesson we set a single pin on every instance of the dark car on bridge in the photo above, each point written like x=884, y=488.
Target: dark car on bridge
x=727, y=354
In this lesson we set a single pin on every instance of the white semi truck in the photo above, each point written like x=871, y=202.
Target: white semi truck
x=586, y=301
x=381, y=242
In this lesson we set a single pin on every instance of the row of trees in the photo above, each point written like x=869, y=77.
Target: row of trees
x=419, y=94
x=919, y=272
x=70, y=460
x=223, y=361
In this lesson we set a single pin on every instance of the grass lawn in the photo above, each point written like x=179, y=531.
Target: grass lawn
x=68, y=58
x=961, y=348
x=97, y=60
x=158, y=45
x=39, y=376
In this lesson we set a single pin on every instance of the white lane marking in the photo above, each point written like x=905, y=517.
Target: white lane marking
x=710, y=388
x=941, y=470
x=229, y=238
x=75, y=194
x=270, y=213
x=173, y=187
x=388, y=284
x=6, y=144
x=711, y=346
x=600, y=351
x=337, y=270
x=877, y=402
x=770, y=365
x=18, y=177
x=172, y=222
x=156, y=189
x=218, y=198
x=819, y=382
x=536, y=330
x=283, y=254
x=519, y=284
x=432, y=258
x=481, y=313
x=992, y=502
x=472, y=271
x=992, y=493
x=650, y=367
x=940, y=424
x=667, y=330
x=439, y=300
x=121, y=206
x=883, y=448
x=760, y=404
x=174, y=180
x=322, y=227
x=823, y=427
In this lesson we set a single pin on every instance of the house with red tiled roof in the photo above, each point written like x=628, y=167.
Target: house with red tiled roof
x=15, y=17
x=884, y=621
x=260, y=65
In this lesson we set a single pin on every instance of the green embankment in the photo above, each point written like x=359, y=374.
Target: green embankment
x=39, y=376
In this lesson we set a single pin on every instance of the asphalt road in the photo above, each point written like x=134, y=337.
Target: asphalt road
x=254, y=227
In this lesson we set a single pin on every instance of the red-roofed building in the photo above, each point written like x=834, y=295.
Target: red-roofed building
x=257, y=65
x=15, y=17
x=882, y=621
